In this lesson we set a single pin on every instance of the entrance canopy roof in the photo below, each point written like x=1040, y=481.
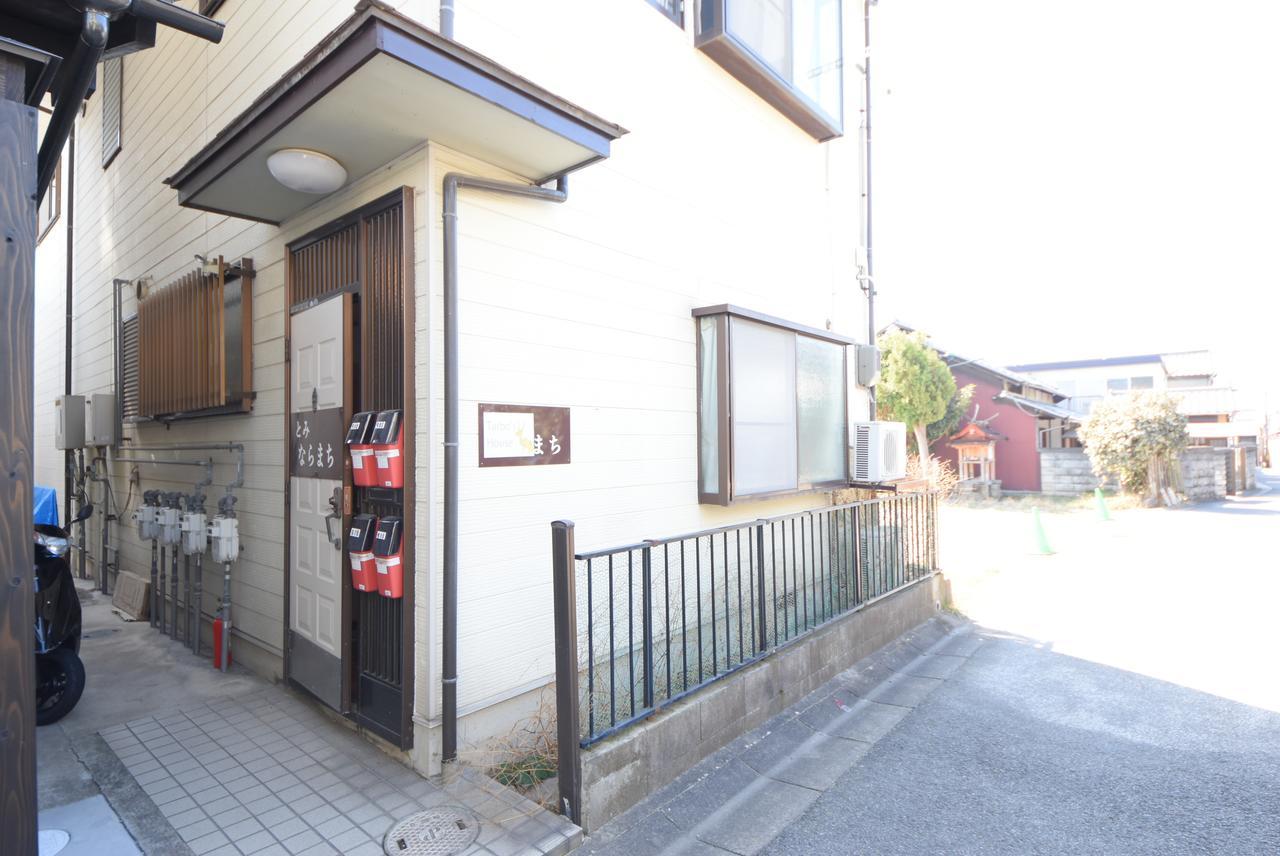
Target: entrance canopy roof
x=376, y=87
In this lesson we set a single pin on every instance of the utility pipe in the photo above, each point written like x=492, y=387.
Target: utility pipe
x=238, y=448
x=453, y=182
x=70, y=226
x=869, y=286
x=446, y=18
x=104, y=566
x=174, y=501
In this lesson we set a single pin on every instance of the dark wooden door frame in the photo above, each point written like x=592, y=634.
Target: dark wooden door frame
x=402, y=196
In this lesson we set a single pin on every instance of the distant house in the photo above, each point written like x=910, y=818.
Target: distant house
x=1211, y=409
x=1027, y=415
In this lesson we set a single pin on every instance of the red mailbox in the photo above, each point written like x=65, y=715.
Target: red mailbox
x=388, y=449
x=387, y=548
x=358, y=441
x=360, y=538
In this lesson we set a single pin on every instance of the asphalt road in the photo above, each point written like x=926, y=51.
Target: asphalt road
x=1124, y=699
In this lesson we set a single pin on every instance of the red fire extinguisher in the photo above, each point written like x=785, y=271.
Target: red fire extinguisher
x=218, y=625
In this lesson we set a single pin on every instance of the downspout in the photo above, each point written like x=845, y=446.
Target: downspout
x=449, y=578
x=84, y=57
x=70, y=225
x=869, y=283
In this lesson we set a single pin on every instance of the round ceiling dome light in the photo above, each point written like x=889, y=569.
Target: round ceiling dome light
x=307, y=171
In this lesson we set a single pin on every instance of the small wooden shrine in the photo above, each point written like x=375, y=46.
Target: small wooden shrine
x=975, y=447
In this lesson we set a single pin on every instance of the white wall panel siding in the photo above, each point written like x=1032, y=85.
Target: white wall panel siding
x=713, y=197
x=176, y=97
x=587, y=304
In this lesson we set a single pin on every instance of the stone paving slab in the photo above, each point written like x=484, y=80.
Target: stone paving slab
x=741, y=798
x=266, y=774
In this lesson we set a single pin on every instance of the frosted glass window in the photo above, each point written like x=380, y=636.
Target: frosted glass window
x=820, y=408
x=762, y=391
x=709, y=404
x=765, y=27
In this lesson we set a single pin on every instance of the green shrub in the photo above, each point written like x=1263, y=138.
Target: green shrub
x=1134, y=438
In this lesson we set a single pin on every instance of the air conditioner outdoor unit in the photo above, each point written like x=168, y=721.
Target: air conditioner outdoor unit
x=878, y=451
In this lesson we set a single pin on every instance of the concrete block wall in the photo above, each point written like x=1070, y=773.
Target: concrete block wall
x=1066, y=472
x=1204, y=473
x=1250, y=467
x=617, y=773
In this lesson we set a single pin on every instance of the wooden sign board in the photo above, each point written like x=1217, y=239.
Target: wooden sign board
x=523, y=435
x=317, y=449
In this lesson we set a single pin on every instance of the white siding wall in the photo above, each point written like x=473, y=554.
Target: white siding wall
x=50, y=346
x=176, y=97
x=1086, y=385
x=713, y=197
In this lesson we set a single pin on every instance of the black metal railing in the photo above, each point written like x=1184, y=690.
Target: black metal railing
x=648, y=623
x=659, y=619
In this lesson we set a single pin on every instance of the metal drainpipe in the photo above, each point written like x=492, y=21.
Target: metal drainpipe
x=68, y=457
x=870, y=285
x=84, y=59
x=449, y=621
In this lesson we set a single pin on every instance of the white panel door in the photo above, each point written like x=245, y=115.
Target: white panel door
x=316, y=571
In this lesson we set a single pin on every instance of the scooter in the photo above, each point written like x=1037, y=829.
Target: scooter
x=59, y=672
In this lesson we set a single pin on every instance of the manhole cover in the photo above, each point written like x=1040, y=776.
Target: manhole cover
x=436, y=832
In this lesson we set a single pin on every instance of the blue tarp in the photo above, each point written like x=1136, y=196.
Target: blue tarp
x=46, y=505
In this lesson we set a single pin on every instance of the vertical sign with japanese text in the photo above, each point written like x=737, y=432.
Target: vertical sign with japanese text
x=517, y=435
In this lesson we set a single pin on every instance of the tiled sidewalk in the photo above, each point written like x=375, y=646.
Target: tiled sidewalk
x=266, y=775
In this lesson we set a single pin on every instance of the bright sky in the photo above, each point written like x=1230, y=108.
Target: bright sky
x=1059, y=180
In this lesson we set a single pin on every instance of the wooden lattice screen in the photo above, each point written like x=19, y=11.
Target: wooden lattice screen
x=194, y=344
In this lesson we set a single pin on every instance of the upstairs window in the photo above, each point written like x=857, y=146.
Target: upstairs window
x=772, y=406
x=112, y=108
x=50, y=206
x=788, y=52
x=673, y=9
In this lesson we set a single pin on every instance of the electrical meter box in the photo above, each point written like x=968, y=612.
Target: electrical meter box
x=68, y=423
x=100, y=420
x=867, y=362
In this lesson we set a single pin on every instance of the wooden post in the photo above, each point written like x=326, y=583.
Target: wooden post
x=17, y=550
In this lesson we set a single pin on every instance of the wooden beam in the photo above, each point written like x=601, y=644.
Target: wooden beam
x=17, y=551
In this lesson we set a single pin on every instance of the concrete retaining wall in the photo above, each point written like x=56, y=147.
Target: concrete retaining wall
x=1204, y=473
x=619, y=772
x=1066, y=472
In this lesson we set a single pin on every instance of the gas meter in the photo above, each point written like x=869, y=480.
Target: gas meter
x=224, y=531
x=169, y=520
x=194, y=532
x=145, y=516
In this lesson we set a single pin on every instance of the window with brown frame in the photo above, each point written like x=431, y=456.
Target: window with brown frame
x=788, y=52
x=772, y=406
